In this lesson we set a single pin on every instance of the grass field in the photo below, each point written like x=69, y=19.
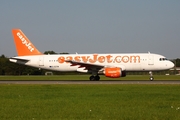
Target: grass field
x=98, y=102
x=86, y=77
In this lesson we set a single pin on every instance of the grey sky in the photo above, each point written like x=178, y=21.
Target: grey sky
x=93, y=26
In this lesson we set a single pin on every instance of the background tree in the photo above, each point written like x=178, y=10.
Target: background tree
x=52, y=52
x=64, y=53
x=49, y=52
x=177, y=62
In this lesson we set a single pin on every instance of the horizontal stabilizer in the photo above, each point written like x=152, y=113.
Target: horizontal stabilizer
x=18, y=60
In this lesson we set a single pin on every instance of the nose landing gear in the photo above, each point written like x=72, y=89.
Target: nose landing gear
x=151, y=78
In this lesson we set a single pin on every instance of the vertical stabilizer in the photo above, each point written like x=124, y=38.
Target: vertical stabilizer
x=24, y=46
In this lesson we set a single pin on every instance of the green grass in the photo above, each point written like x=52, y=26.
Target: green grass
x=86, y=77
x=98, y=102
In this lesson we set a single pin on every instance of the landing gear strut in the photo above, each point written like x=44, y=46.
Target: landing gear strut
x=94, y=78
x=151, y=78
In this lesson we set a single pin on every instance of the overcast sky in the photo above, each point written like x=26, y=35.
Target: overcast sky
x=93, y=26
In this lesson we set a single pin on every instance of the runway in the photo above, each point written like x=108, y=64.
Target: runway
x=88, y=82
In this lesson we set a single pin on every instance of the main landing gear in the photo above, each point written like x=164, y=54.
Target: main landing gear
x=151, y=78
x=94, y=78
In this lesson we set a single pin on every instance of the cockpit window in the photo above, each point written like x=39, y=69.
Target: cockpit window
x=163, y=59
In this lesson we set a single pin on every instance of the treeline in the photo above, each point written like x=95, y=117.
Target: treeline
x=9, y=68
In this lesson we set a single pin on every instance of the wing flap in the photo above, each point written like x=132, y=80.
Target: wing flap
x=87, y=66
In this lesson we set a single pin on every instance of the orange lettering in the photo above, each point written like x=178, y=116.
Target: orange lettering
x=69, y=58
x=125, y=59
x=117, y=59
x=101, y=59
x=61, y=59
x=85, y=58
x=135, y=58
x=109, y=58
x=77, y=58
x=94, y=59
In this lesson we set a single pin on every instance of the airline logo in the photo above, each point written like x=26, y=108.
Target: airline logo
x=25, y=42
x=101, y=59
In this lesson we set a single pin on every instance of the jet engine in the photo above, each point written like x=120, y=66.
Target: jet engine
x=114, y=72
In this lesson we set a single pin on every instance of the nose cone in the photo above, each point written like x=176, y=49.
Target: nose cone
x=170, y=65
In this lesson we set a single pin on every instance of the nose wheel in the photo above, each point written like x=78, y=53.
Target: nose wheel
x=151, y=78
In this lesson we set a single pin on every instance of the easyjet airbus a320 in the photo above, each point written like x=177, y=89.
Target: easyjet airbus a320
x=111, y=65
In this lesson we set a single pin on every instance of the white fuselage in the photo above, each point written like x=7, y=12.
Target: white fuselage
x=128, y=62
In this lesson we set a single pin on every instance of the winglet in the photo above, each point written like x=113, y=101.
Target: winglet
x=24, y=46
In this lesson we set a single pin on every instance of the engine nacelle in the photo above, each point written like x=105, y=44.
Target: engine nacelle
x=114, y=72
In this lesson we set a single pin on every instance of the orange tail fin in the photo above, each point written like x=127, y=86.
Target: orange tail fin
x=24, y=46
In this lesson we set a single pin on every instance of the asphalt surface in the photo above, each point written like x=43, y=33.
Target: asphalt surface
x=88, y=82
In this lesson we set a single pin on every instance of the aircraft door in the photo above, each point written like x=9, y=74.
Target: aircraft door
x=41, y=61
x=151, y=60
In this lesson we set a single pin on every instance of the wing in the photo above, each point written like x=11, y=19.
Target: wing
x=87, y=66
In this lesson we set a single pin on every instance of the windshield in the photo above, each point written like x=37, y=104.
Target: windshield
x=163, y=59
